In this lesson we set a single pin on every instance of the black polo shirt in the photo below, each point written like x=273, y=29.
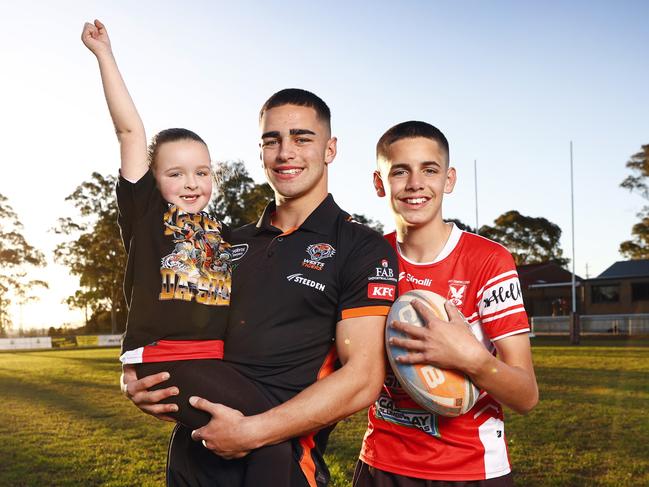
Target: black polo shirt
x=290, y=289
x=288, y=292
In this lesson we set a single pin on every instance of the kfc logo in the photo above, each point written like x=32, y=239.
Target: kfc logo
x=381, y=291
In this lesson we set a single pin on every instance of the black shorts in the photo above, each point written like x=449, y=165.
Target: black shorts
x=218, y=382
x=189, y=464
x=366, y=476
x=212, y=379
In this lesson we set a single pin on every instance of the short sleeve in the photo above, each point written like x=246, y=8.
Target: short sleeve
x=500, y=299
x=134, y=200
x=369, y=279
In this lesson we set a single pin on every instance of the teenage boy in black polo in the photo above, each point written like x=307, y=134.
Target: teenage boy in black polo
x=309, y=300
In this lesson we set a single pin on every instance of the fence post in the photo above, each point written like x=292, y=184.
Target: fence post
x=574, y=328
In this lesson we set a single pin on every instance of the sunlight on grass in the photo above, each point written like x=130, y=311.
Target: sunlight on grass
x=65, y=423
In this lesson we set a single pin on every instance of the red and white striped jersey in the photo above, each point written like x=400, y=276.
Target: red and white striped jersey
x=479, y=277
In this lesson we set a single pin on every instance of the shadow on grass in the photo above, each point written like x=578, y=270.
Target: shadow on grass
x=81, y=384
x=112, y=361
x=30, y=471
x=69, y=401
x=580, y=379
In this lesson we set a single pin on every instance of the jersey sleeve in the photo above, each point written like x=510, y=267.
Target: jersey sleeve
x=500, y=300
x=133, y=202
x=369, y=279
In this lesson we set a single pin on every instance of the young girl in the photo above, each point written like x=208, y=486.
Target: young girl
x=178, y=275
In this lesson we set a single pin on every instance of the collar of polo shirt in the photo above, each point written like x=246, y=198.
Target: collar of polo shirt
x=319, y=221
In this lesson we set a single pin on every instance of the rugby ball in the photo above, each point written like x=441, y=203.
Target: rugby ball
x=440, y=391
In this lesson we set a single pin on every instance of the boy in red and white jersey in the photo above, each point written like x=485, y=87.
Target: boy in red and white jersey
x=406, y=446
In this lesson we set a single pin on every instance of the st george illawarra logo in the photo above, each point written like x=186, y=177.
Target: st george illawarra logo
x=456, y=292
x=318, y=252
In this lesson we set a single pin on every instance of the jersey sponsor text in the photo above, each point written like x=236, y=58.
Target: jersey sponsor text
x=306, y=282
x=381, y=291
x=419, y=419
x=419, y=282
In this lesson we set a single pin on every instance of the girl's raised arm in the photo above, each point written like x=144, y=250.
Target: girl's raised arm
x=128, y=124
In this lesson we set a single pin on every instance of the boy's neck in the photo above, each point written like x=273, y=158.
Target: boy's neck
x=424, y=243
x=291, y=213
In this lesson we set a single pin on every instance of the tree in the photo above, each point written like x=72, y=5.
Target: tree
x=16, y=255
x=95, y=253
x=460, y=224
x=530, y=240
x=239, y=200
x=370, y=222
x=637, y=181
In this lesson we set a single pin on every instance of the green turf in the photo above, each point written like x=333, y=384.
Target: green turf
x=64, y=422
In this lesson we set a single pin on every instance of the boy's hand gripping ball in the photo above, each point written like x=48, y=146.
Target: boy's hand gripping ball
x=440, y=391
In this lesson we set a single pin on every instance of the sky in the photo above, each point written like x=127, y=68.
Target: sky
x=509, y=83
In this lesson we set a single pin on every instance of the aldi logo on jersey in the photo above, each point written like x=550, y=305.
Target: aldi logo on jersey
x=381, y=291
x=457, y=292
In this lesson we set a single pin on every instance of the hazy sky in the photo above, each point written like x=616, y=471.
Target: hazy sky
x=510, y=84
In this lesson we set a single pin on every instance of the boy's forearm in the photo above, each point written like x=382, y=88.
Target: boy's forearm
x=323, y=403
x=512, y=384
x=351, y=388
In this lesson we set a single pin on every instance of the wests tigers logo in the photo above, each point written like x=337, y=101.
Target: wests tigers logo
x=320, y=251
x=317, y=252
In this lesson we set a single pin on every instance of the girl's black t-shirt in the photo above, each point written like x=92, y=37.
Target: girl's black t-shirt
x=178, y=275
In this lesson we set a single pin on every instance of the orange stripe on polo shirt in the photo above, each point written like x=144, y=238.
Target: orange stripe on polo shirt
x=289, y=231
x=306, y=462
x=284, y=232
x=328, y=366
x=365, y=311
x=307, y=465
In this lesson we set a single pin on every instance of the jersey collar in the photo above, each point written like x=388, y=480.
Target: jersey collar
x=449, y=246
x=319, y=221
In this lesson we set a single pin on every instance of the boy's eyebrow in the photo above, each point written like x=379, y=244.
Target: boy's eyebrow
x=301, y=132
x=403, y=165
x=275, y=133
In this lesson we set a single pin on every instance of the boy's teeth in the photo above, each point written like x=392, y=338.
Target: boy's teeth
x=415, y=201
x=288, y=171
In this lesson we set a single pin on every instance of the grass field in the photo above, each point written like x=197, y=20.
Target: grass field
x=64, y=423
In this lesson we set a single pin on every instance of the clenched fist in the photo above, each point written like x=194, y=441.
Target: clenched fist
x=95, y=38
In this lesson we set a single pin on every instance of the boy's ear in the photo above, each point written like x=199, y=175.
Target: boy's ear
x=378, y=184
x=451, y=178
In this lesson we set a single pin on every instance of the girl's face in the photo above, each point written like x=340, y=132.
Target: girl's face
x=183, y=172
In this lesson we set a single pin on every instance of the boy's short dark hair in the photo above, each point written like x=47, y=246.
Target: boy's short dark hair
x=301, y=98
x=409, y=130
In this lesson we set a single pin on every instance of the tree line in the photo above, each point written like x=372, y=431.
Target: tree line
x=638, y=182
x=94, y=252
